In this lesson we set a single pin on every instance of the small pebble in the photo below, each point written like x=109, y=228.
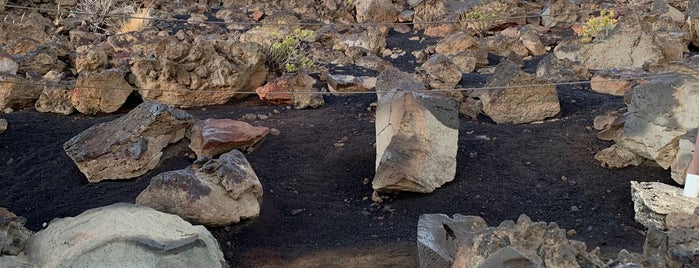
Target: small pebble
x=262, y=116
x=296, y=211
x=571, y=232
x=274, y=132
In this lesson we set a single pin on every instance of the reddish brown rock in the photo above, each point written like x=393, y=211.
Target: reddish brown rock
x=610, y=85
x=217, y=136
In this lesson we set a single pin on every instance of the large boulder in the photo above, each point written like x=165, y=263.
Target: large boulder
x=90, y=58
x=213, y=137
x=129, y=146
x=214, y=192
x=630, y=45
x=100, y=92
x=124, y=235
x=656, y=204
x=17, y=92
x=440, y=72
x=561, y=70
x=206, y=72
x=416, y=139
x=515, y=97
x=55, y=97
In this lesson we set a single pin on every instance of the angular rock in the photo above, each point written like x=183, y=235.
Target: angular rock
x=29, y=25
x=393, y=79
x=44, y=58
x=561, y=70
x=124, y=235
x=510, y=100
x=17, y=92
x=609, y=85
x=533, y=43
x=509, y=256
x=13, y=235
x=213, y=137
x=649, y=140
x=90, y=58
x=416, y=141
x=630, y=45
x=129, y=146
x=215, y=192
x=433, y=251
x=102, y=92
x=440, y=72
x=618, y=157
x=559, y=14
x=7, y=64
x=372, y=39
x=206, y=72
x=340, y=83
x=654, y=201
x=55, y=99
x=427, y=11
x=296, y=89
x=685, y=149
x=455, y=43
x=466, y=60
x=375, y=11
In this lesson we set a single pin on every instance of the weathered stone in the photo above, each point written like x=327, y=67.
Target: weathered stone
x=427, y=11
x=649, y=140
x=654, y=201
x=618, y=157
x=512, y=100
x=602, y=83
x=440, y=72
x=101, y=92
x=502, y=45
x=55, y=99
x=295, y=89
x=7, y=64
x=372, y=39
x=509, y=256
x=204, y=73
x=455, y=44
x=13, y=235
x=466, y=61
x=17, y=92
x=29, y=25
x=124, y=235
x=44, y=58
x=339, y=83
x=213, y=137
x=559, y=14
x=685, y=150
x=90, y=58
x=375, y=11
x=416, y=141
x=433, y=251
x=373, y=62
x=630, y=45
x=561, y=70
x=533, y=43
x=129, y=146
x=215, y=192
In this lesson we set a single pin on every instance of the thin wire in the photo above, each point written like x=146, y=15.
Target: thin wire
x=125, y=16
x=48, y=84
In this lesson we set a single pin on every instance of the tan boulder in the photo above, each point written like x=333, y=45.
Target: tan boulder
x=375, y=11
x=102, y=92
x=17, y=92
x=455, y=44
x=440, y=72
x=90, y=58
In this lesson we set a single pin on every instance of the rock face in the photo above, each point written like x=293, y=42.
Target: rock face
x=467, y=241
x=213, y=137
x=216, y=192
x=630, y=45
x=102, y=92
x=659, y=121
x=511, y=101
x=656, y=203
x=130, y=145
x=13, y=235
x=124, y=235
x=416, y=140
x=204, y=73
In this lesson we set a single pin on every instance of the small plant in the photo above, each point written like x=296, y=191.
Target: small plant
x=289, y=54
x=596, y=26
x=95, y=12
x=479, y=18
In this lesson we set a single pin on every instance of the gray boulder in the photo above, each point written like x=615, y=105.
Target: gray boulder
x=129, y=146
x=561, y=70
x=124, y=235
x=214, y=192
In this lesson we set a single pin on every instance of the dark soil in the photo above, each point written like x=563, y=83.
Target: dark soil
x=544, y=170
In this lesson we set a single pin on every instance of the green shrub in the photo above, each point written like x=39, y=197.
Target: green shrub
x=597, y=26
x=289, y=54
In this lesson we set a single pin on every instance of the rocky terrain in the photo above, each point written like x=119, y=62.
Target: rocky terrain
x=366, y=133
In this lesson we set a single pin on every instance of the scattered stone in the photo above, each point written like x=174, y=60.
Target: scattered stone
x=3, y=125
x=274, y=132
x=124, y=235
x=513, y=101
x=615, y=82
x=13, y=235
x=372, y=39
x=90, y=58
x=533, y=43
x=411, y=158
x=440, y=72
x=393, y=79
x=654, y=201
x=339, y=83
x=129, y=146
x=7, y=64
x=44, y=58
x=455, y=44
x=213, y=192
x=618, y=157
x=101, y=92
x=213, y=137
x=17, y=92
x=427, y=11
x=466, y=61
x=559, y=14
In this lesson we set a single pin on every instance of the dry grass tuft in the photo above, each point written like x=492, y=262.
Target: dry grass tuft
x=138, y=21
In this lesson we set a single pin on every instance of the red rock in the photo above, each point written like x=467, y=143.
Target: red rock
x=609, y=85
x=276, y=92
x=217, y=136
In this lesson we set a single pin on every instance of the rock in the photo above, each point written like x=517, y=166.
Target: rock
x=373, y=62
x=102, y=92
x=7, y=64
x=685, y=149
x=561, y=70
x=676, y=247
x=90, y=58
x=654, y=201
x=213, y=137
x=393, y=79
x=455, y=44
x=340, y=83
x=17, y=92
x=559, y=14
x=13, y=235
x=25, y=26
x=206, y=72
x=427, y=11
x=618, y=157
x=214, y=192
x=649, y=140
x=375, y=11
x=3, y=125
x=503, y=46
x=609, y=85
x=466, y=241
x=416, y=141
x=55, y=99
x=372, y=39
x=533, y=43
x=438, y=30
x=282, y=91
x=124, y=235
x=630, y=45
x=466, y=61
x=129, y=146
x=440, y=72
x=44, y=58
x=512, y=101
